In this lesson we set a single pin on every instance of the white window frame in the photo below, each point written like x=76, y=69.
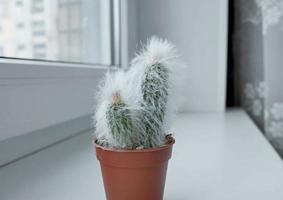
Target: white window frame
x=21, y=79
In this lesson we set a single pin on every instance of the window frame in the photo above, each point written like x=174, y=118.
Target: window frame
x=115, y=43
x=17, y=73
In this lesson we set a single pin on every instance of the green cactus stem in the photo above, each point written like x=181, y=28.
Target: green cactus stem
x=120, y=123
x=155, y=93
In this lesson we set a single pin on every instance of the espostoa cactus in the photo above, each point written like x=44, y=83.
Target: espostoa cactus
x=134, y=106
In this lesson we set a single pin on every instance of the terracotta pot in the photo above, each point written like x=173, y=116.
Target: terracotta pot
x=134, y=174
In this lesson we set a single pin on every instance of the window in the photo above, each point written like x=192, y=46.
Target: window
x=20, y=25
x=37, y=6
x=19, y=3
x=39, y=46
x=21, y=47
x=1, y=51
x=38, y=33
x=76, y=31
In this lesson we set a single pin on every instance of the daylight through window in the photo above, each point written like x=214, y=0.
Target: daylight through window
x=57, y=30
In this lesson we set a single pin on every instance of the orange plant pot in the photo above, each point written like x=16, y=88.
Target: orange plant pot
x=134, y=174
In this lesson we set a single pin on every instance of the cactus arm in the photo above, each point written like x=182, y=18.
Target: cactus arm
x=155, y=93
x=120, y=122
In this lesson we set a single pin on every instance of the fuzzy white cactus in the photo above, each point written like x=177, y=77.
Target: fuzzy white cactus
x=118, y=101
x=156, y=64
x=135, y=106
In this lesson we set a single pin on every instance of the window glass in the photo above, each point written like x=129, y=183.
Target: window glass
x=1, y=51
x=56, y=30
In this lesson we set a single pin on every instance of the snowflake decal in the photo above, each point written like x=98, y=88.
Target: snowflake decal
x=253, y=98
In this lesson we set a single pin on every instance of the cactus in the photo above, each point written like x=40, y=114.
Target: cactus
x=134, y=106
x=120, y=123
x=154, y=92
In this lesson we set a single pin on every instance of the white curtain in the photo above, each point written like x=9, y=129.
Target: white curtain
x=258, y=57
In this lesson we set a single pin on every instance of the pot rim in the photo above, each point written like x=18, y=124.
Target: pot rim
x=169, y=143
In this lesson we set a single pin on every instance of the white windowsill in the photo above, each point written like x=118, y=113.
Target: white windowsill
x=216, y=157
x=13, y=70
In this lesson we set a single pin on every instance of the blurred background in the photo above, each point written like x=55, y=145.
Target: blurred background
x=54, y=53
x=255, y=73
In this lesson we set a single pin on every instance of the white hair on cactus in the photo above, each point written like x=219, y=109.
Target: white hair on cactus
x=112, y=84
x=137, y=102
x=156, y=50
x=107, y=88
x=161, y=51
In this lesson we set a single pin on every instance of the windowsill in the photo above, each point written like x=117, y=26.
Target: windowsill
x=216, y=156
x=24, y=61
x=14, y=69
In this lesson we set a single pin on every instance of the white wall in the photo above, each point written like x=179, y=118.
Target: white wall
x=199, y=30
